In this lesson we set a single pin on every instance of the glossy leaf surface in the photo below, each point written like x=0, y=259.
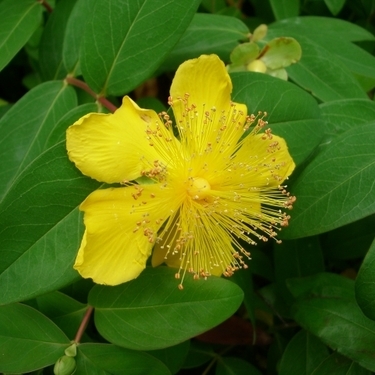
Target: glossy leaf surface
x=152, y=313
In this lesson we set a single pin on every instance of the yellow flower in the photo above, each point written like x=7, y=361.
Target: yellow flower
x=201, y=196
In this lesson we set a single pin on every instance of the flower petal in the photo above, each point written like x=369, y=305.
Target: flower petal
x=112, y=147
x=207, y=83
x=121, y=226
x=209, y=123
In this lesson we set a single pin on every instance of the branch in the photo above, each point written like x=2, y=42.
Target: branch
x=83, y=325
x=46, y=5
x=84, y=86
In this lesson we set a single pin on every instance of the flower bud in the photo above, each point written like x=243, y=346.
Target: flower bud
x=65, y=366
x=257, y=66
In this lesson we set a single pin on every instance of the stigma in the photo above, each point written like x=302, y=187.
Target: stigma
x=198, y=188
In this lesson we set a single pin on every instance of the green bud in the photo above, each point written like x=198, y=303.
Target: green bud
x=71, y=351
x=257, y=66
x=259, y=33
x=65, y=366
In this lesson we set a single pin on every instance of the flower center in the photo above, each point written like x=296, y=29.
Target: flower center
x=199, y=188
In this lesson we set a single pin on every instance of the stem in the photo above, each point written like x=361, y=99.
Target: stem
x=84, y=86
x=46, y=5
x=83, y=325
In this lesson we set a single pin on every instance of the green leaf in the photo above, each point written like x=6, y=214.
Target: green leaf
x=151, y=312
x=303, y=355
x=323, y=73
x=28, y=340
x=328, y=56
x=51, y=44
x=349, y=241
x=285, y=8
x=207, y=33
x=334, y=27
x=42, y=206
x=125, y=41
x=336, y=187
x=34, y=117
x=75, y=26
x=174, y=356
x=342, y=115
x=327, y=308
x=365, y=282
x=199, y=353
x=63, y=310
x=291, y=112
x=327, y=284
x=297, y=258
x=235, y=366
x=19, y=19
x=107, y=359
x=335, y=6
x=336, y=364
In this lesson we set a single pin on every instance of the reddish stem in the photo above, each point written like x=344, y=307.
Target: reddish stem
x=83, y=325
x=46, y=5
x=84, y=86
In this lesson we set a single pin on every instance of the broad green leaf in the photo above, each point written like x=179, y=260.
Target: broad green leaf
x=303, y=355
x=199, y=354
x=19, y=19
x=327, y=284
x=334, y=27
x=174, y=356
x=51, y=45
x=328, y=56
x=323, y=73
x=105, y=359
x=365, y=284
x=207, y=33
x=342, y=115
x=42, y=206
x=291, y=112
x=75, y=27
x=335, y=5
x=336, y=364
x=327, y=308
x=28, y=339
x=356, y=59
x=26, y=126
x=349, y=241
x=63, y=310
x=235, y=366
x=296, y=258
x=285, y=8
x=125, y=41
x=151, y=312
x=336, y=187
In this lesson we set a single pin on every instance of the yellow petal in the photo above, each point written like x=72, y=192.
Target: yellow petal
x=267, y=160
x=121, y=228
x=206, y=80
x=208, y=122
x=112, y=147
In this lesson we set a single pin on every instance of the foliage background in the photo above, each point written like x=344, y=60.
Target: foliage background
x=303, y=307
